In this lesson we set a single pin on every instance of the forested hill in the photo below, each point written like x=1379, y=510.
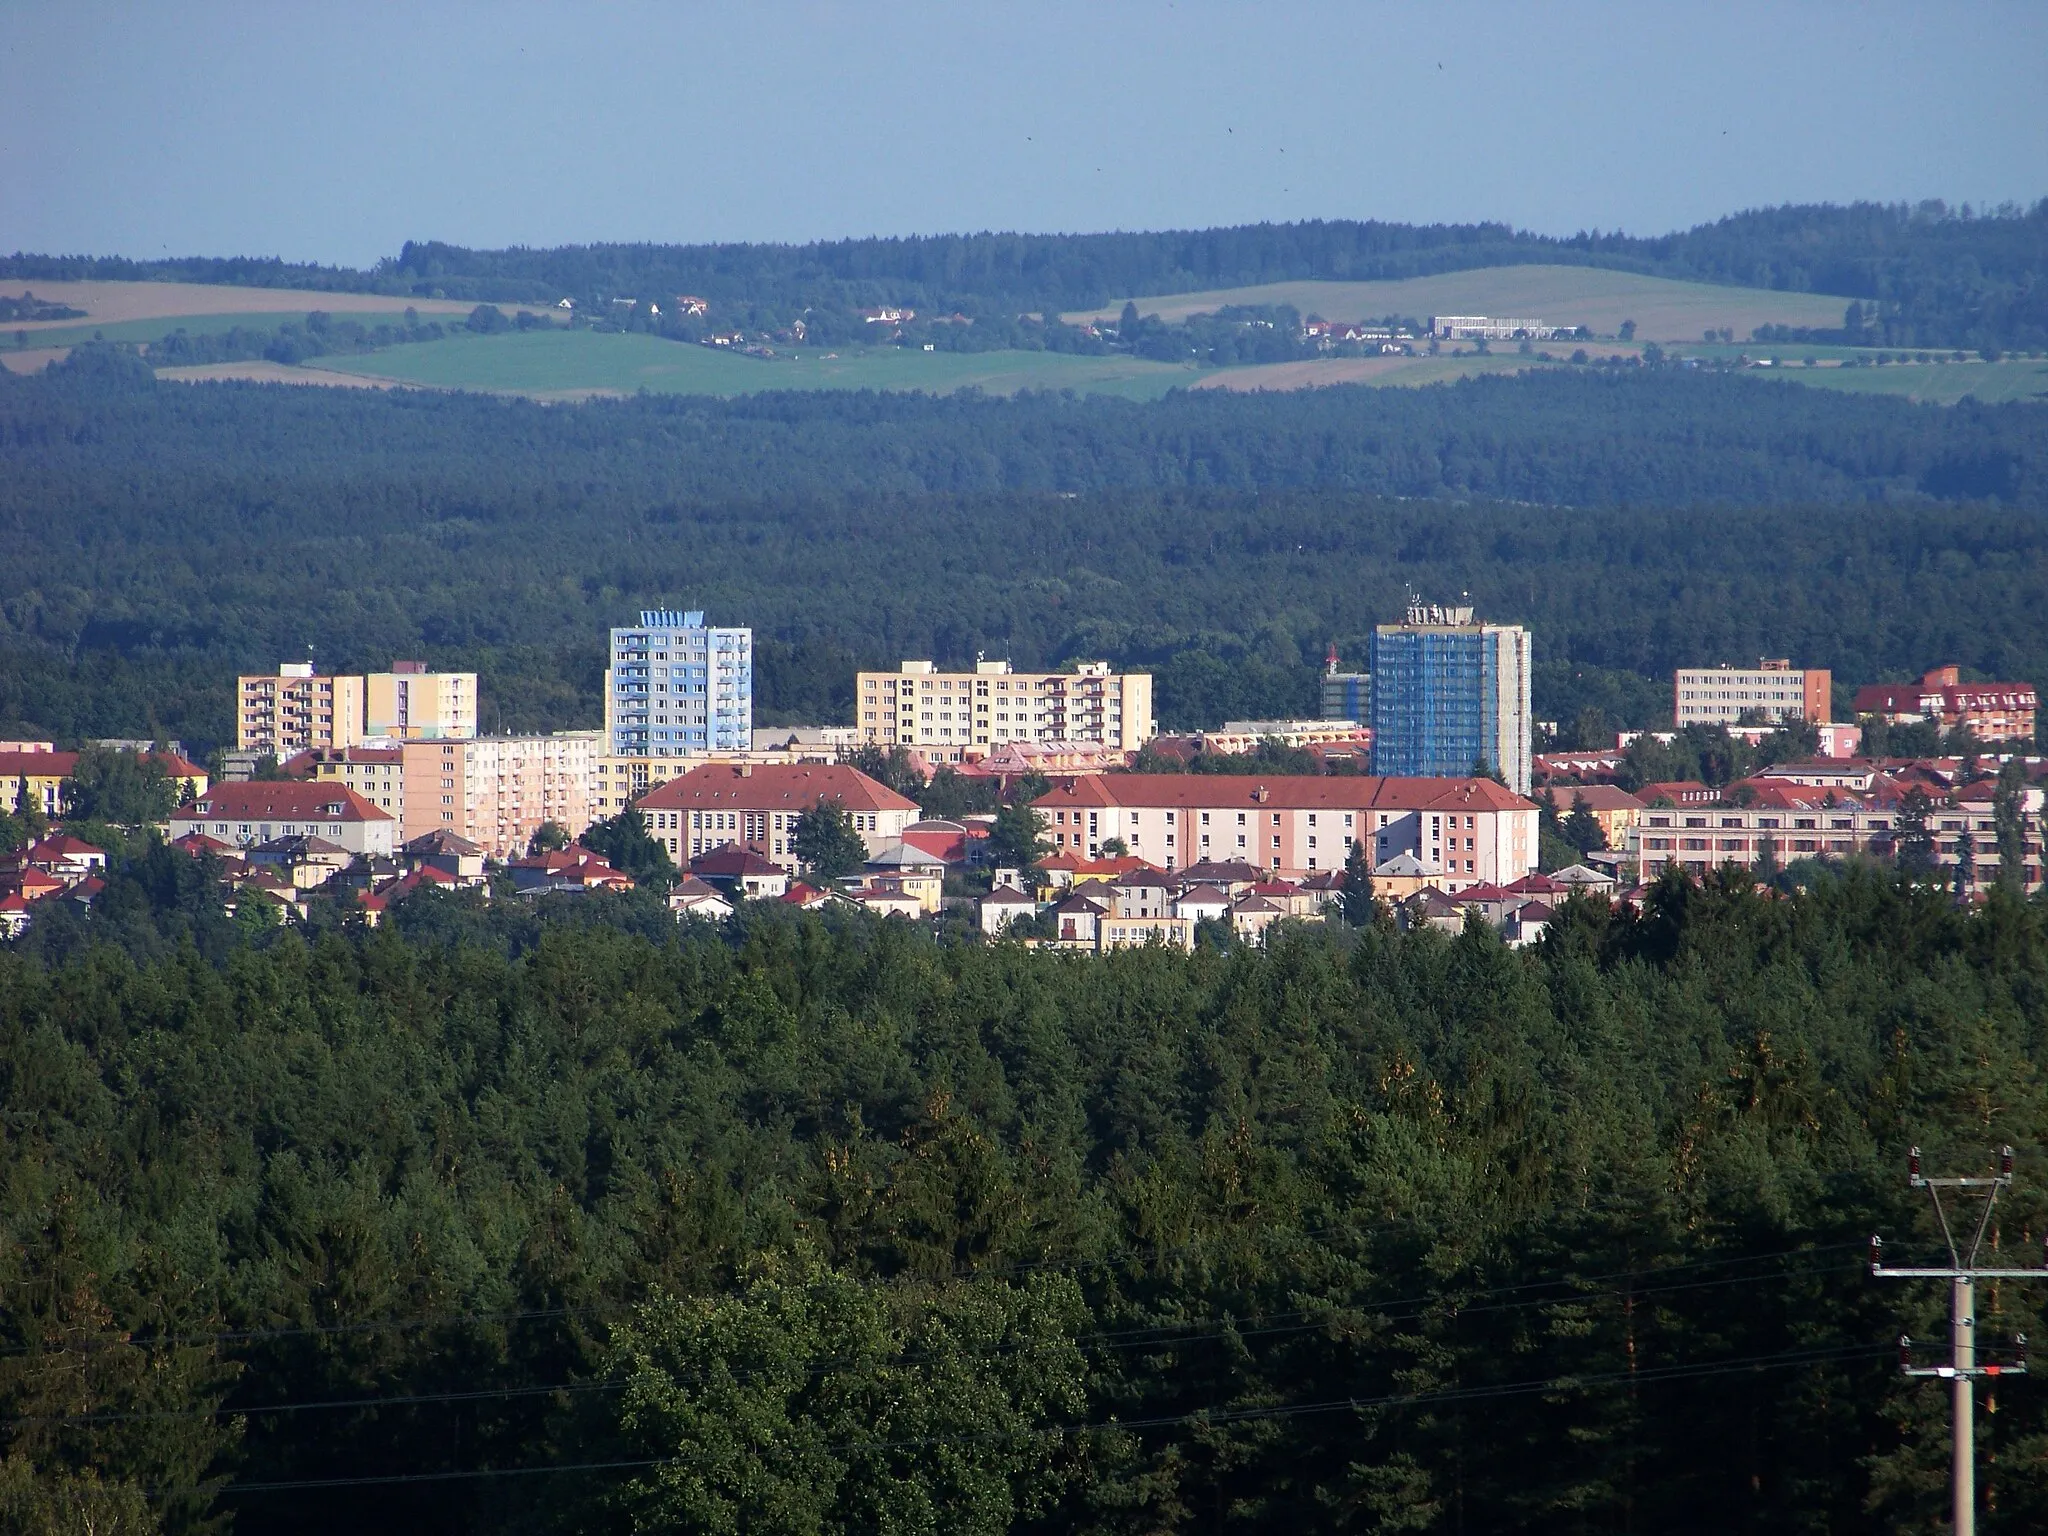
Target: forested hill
x=155, y=536
x=1367, y=1231
x=1936, y=276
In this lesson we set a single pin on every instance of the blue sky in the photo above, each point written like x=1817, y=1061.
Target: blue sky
x=334, y=132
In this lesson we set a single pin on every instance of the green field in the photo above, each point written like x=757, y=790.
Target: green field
x=1941, y=383
x=157, y=328
x=1663, y=309
x=567, y=364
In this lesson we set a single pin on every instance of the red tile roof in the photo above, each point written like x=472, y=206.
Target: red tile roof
x=773, y=787
x=729, y=861
x=1598, y=797
x=279, y=800
x=61, y=845
x=1281, y=792
x=41, y=765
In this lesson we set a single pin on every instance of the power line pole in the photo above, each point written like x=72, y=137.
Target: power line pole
x=1962, y=1273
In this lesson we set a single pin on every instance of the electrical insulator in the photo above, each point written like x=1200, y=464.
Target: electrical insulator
x=2021, y=1343
x=1876, y=1251
x=1905, y=1352
x=1913, y=1162
x=2005, y=1162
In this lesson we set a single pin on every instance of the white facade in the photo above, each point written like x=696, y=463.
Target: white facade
x=678, y=688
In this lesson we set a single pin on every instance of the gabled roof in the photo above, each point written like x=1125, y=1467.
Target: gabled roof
x=196, y=843
x=1598, y=797
x=1078, y=903
x=1402, y=866
x=773, y=787
x=61, y=845
x=731, y=861
x=1007, y=896
x=1144, y=879
x=1486, y=891
x=903, y=855
x=1679, y=792
x=690, y=890
x=1204, y=896
x=1257, y=905
x=443, y=842
x=37, y=765
x=302, y=843
x=279, y=800
x=1225, y=872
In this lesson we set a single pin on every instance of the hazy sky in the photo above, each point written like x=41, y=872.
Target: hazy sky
x=333, y=132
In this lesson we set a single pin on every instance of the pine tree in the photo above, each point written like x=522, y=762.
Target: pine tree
x=1358, y=901
x=2009, y=816
x=1912, y=843
x=827, y=841
x=1582, y=829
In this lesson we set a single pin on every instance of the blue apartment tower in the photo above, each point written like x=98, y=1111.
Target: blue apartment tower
x=1448, y=692
x=678, y=688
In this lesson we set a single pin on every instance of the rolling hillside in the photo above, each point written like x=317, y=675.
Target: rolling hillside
x=1663, y=309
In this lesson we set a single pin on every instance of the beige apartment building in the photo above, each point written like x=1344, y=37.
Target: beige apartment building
x=954, y=717
x=412, y=703
x=295, y=710
x=494, y=791
x=298, y=710
x=1723, y=695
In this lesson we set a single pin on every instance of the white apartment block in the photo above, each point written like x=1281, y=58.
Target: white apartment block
x=678, y=688
x=957, y=717
x=1723, y=695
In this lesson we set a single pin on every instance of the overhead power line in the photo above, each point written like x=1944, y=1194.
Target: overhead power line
x=1210, y=1415
x=1150, y=1336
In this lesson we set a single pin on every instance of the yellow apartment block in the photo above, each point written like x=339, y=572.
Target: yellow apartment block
x=957, y=717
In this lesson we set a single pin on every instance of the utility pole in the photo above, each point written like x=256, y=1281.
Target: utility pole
x=1962, y=1274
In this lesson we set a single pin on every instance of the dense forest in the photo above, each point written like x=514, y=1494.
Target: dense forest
x=1927, y=275
x=1365, y=1231
x=156, y=537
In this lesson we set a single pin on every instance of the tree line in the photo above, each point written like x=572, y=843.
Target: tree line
x=1929, y=274
x=818, y=1220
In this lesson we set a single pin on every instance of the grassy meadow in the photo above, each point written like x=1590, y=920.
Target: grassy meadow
x=571, y=364
x=1663, y=309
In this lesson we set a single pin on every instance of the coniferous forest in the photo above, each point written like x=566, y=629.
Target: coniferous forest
x=155, y=537
x=505, y=1220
